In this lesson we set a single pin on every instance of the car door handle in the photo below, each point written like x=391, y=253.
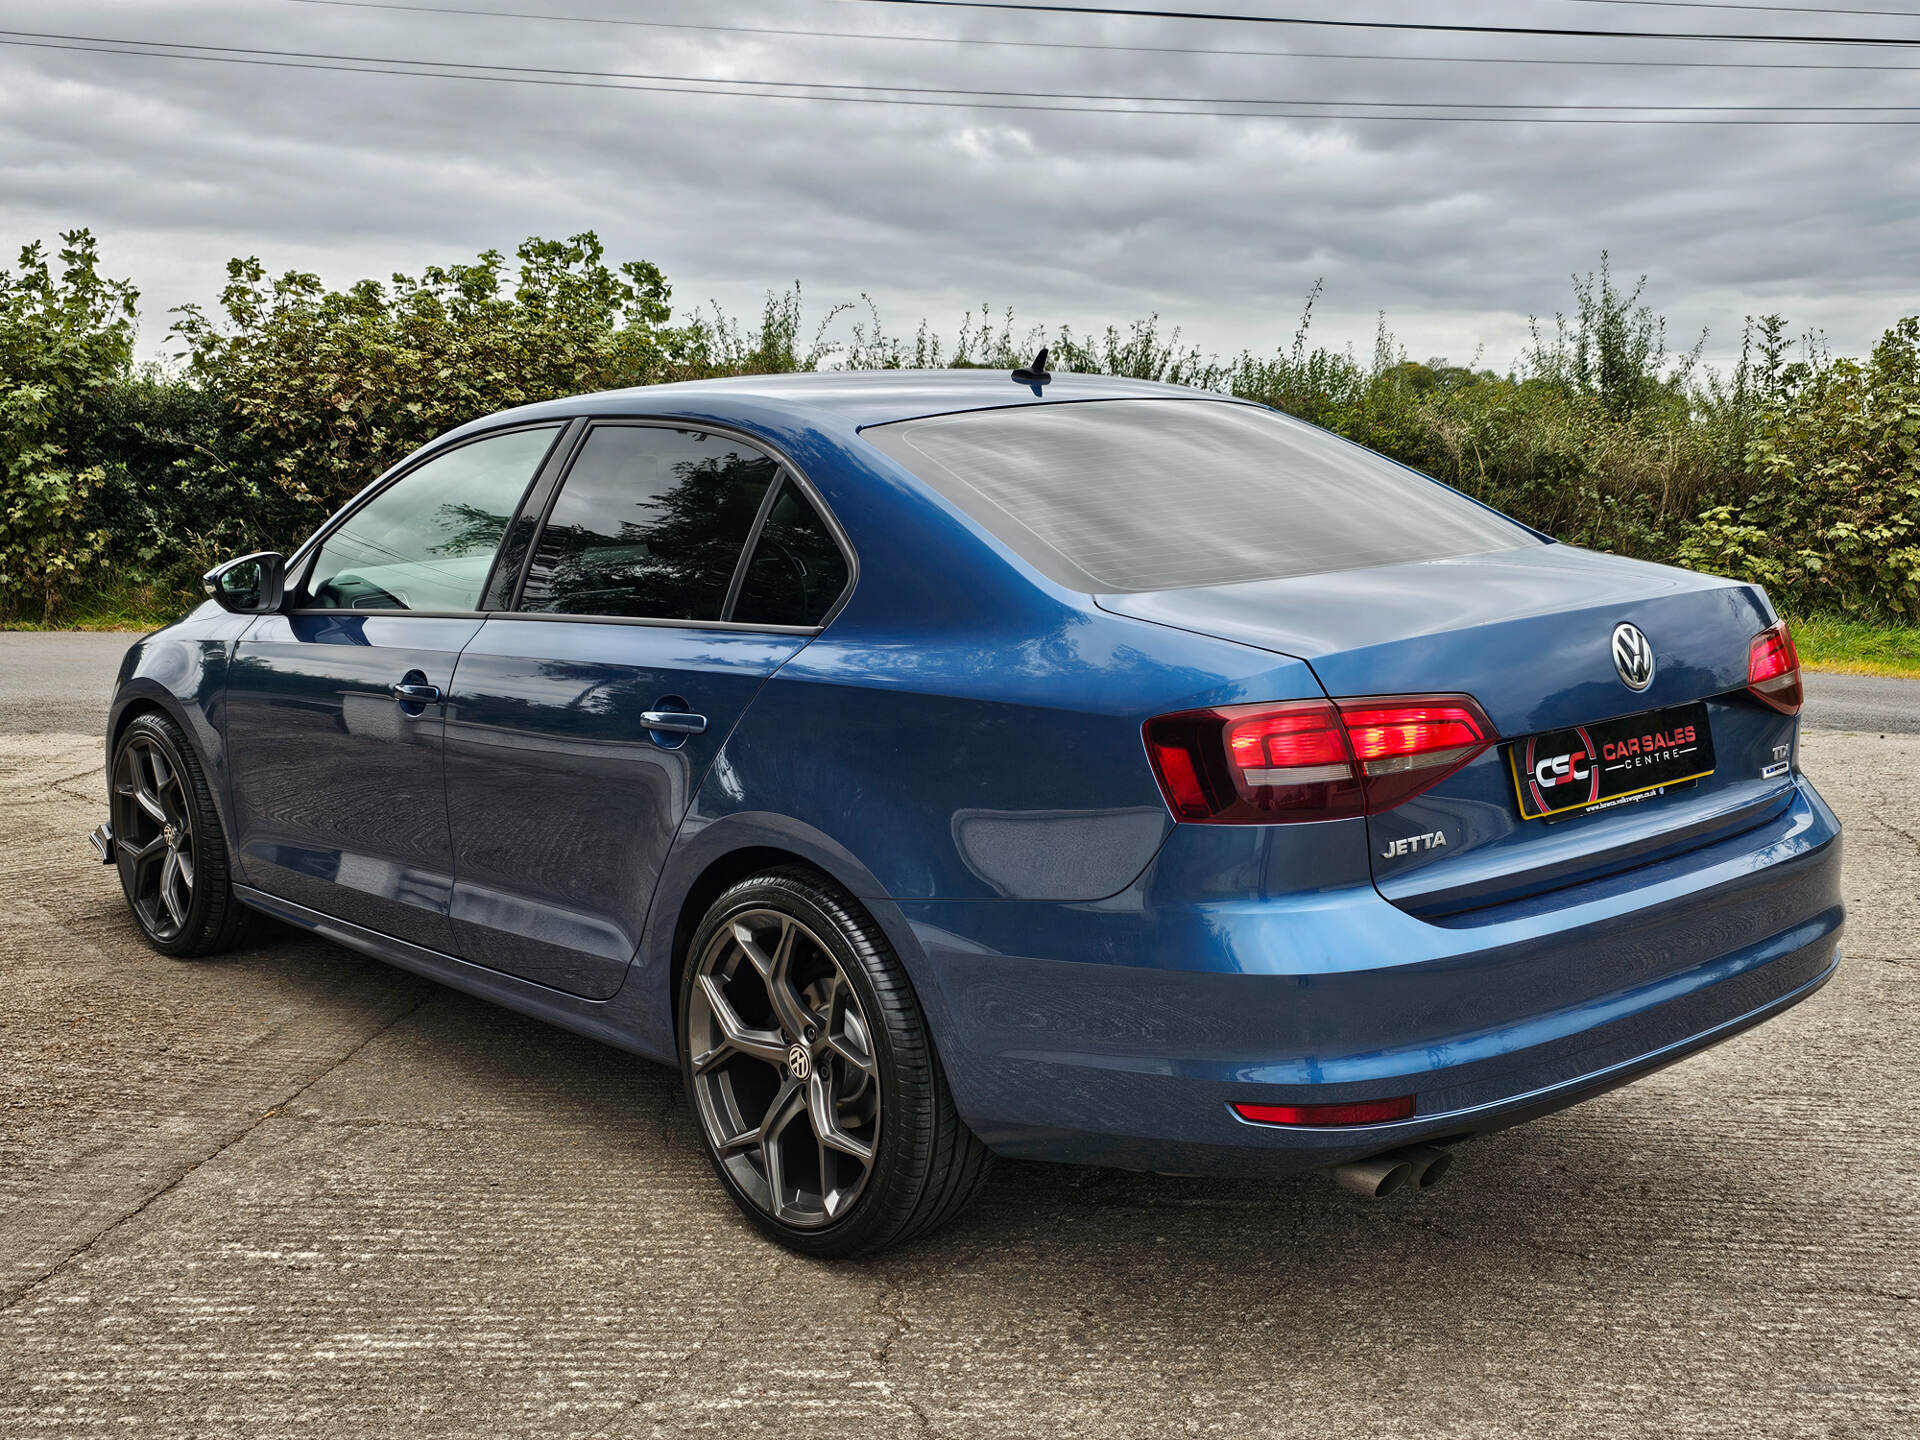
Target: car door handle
x=410, y=694
x=676, y=721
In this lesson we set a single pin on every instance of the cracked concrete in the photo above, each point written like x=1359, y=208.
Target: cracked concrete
x=296, y=1193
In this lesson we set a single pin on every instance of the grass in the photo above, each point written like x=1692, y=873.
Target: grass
x=121, y=607
x=1854, y=647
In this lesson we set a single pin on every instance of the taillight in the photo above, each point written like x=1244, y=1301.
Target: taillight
x=1311, y=759
x=1773, y=669
x=1405, y=746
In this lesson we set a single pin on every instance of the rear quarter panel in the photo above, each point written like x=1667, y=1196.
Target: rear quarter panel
x=960, y=730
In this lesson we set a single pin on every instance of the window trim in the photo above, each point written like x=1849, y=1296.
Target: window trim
x=549, y=476
x=738, y=580
x=785, y=470
x=536, y=499
x=309, y=549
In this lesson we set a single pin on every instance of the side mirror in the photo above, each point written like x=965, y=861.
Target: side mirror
x=251, y=585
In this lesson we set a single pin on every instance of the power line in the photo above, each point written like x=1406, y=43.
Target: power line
x=1721, y=37
x=1764, y=9
x=1238, y=52
x=706, y=85
x=461, y=67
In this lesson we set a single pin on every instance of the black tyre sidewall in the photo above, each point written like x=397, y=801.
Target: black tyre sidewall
x=906, y=1109
x=213, y=901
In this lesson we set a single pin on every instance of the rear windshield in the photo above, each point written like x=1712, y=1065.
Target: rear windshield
x=1122, y=495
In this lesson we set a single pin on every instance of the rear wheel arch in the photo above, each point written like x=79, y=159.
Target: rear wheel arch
x=721, y=875
x=922, y=1164
x=726, y=869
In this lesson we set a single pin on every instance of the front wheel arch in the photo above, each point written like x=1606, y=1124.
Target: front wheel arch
x=162, y=800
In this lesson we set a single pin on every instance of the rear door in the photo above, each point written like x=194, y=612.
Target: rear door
x=676, y=570
x=334, y=720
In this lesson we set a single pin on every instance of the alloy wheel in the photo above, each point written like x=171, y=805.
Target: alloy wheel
x=153, y=835
x=785, y=1076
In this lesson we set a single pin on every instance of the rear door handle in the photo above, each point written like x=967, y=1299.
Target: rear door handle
x=675, y=721
x=411, y=694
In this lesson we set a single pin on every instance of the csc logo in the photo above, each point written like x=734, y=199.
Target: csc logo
x=1562, y=770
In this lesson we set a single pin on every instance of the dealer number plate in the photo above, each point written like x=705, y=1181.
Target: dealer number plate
x=1615, y=762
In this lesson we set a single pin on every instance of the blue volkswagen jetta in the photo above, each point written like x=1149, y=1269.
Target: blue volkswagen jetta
x=941, y=765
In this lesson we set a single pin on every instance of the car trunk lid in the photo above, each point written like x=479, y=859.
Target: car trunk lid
x=1527, y=633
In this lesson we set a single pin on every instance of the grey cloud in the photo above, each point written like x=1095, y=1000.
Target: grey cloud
x=1457, y=231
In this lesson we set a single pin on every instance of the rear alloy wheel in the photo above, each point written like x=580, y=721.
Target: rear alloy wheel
x=811, y=1076
x=168, y=844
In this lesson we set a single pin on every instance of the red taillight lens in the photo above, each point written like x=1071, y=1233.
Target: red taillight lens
x=1311, y=759
x=1773, y=669
x=1359, y=1112
x=1300, y=744
x=1406, y=746
x=1255, y=764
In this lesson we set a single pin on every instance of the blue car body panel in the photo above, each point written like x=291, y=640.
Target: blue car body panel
x=960, y=747
x=338, y=793
x=556, y=790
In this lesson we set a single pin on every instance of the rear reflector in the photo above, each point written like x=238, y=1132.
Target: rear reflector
x=1358, y=1112
x=1311, y=759
x=1773, y=669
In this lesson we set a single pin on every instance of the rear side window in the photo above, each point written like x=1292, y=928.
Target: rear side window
x=649, y=524
x=797, y=571
x=1127, y=495
x=427, y=541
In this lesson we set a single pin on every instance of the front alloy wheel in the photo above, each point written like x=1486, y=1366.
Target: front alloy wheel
x=168, y=844
x=153, y=832
x=811, y=1074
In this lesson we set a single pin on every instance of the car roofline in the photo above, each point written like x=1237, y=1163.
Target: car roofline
x=847, y=401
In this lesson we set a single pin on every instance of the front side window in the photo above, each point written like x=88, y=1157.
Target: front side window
x=427, y=541
x=649, y=524
x=797, y=571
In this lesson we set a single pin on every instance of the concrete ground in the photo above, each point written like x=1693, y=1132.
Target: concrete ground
x=292, y=1192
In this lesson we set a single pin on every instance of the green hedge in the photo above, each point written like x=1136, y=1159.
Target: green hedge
x=1803, y=474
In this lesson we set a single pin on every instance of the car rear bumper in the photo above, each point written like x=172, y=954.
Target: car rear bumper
x=1122, y=1032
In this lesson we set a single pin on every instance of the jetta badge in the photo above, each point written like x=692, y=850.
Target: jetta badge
x=1632, y=657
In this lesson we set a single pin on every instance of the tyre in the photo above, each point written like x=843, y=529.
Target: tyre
x=169, y=845
x=811, y=1076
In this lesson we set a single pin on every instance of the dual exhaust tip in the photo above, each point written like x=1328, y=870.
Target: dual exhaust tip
x=1378, y=1176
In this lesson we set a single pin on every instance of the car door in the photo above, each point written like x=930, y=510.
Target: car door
x=580, y=725
x=335, y=718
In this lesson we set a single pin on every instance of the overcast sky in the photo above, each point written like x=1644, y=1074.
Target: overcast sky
x=1457, y=231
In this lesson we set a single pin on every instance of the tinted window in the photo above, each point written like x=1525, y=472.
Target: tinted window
x=426, y=542
x=649, y=523
x=1125, y=495
x=797, y=571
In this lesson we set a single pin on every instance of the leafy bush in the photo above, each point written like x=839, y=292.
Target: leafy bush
x=1832, y=515
x=323, y=389
x=1803, y=474
x=65, y=341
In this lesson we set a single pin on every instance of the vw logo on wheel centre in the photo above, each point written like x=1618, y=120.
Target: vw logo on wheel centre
x=799, y=1061
x=1632, y=656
